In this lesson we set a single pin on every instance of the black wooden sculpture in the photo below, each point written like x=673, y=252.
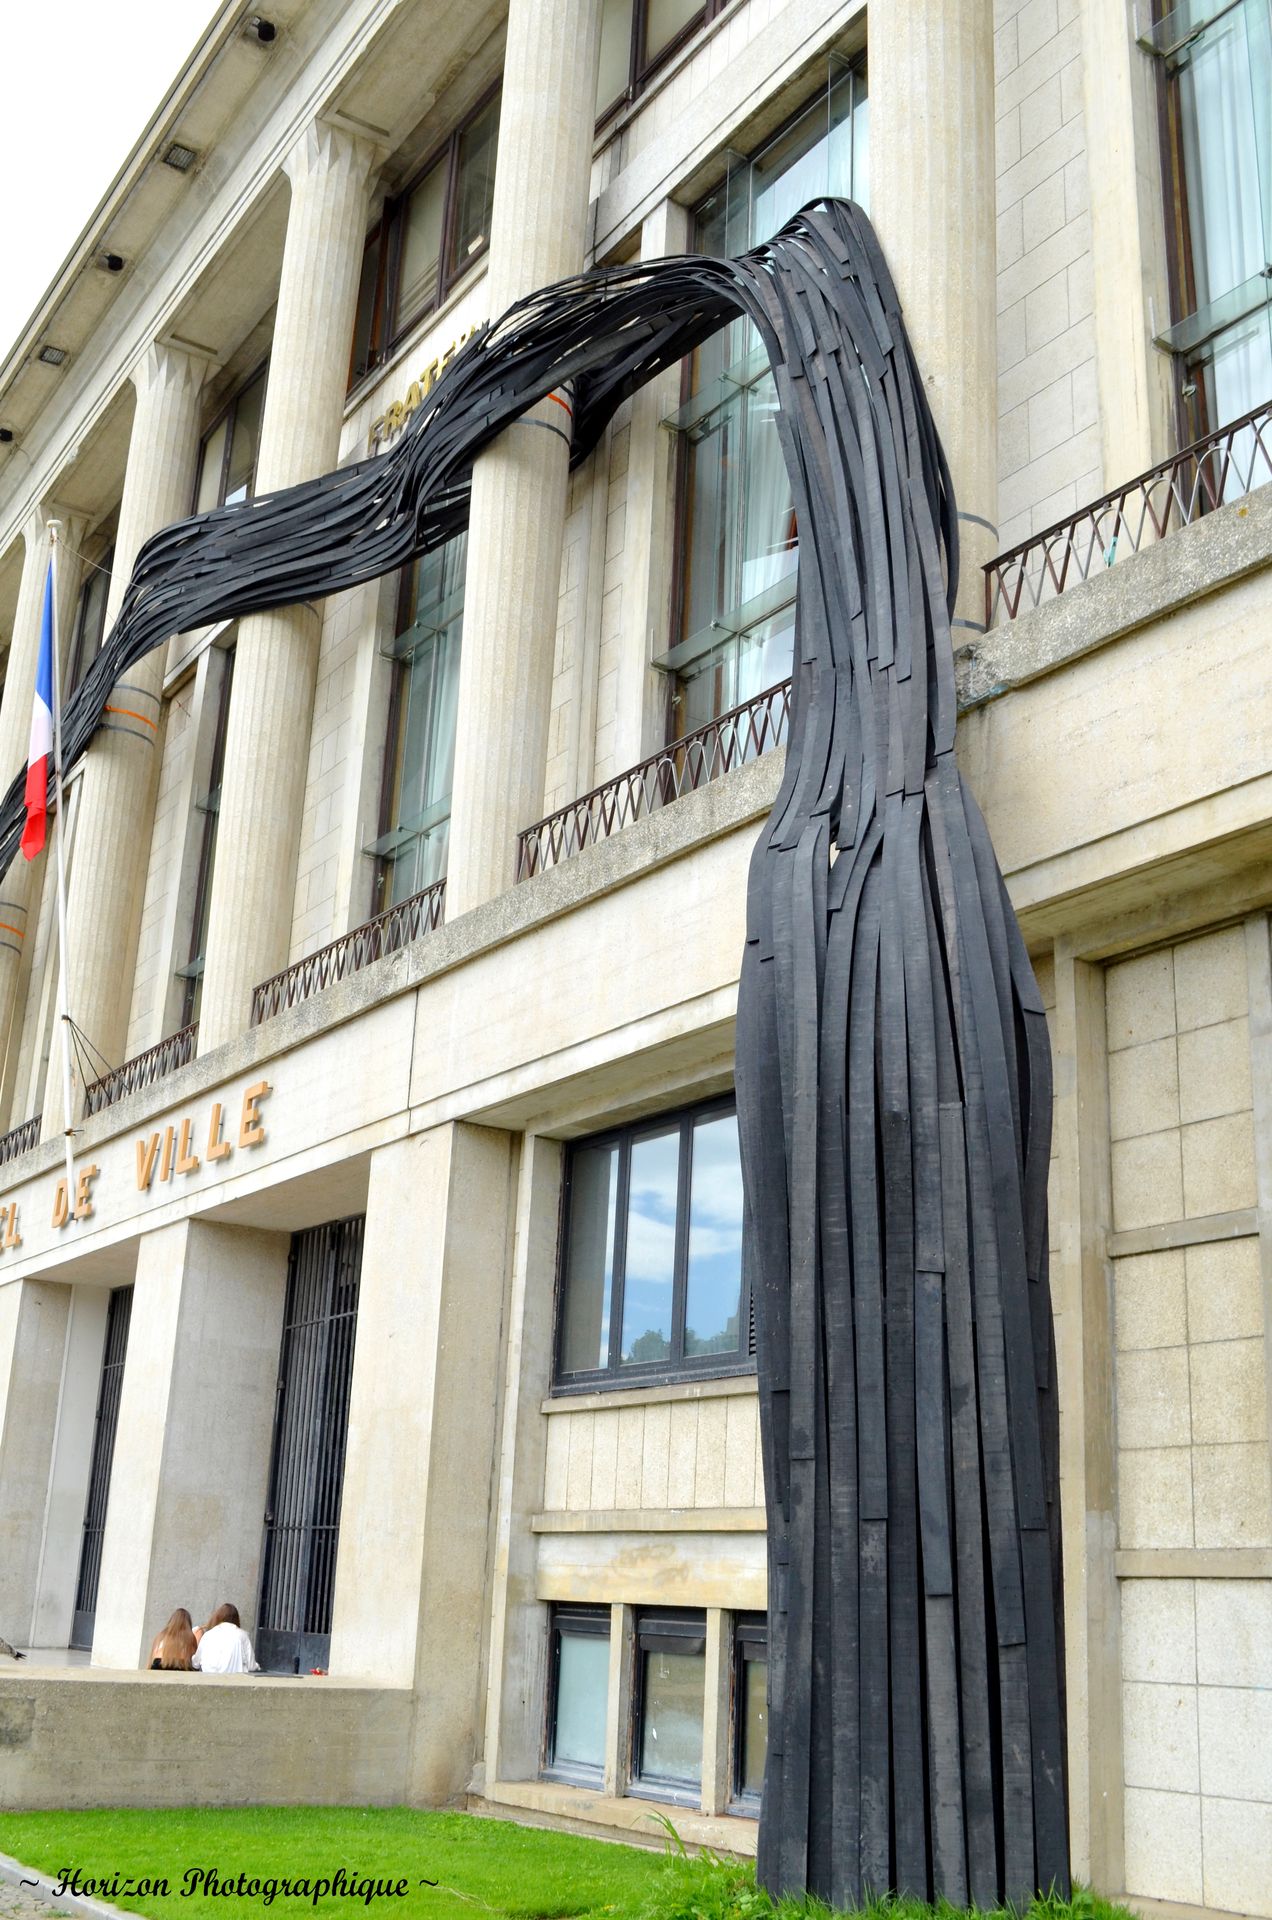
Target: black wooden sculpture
x=893, y=1071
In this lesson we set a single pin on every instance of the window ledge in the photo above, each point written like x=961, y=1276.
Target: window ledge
x=652, y=1520
x=726, y=1383
x=549, y=1802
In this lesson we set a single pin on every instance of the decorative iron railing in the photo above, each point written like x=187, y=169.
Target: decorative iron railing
x=741, y=734
x=154, y=1064
x=395, y=927
x=1210, y=473
x=19, y=1140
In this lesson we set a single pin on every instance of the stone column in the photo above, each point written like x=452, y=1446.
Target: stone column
x=191, y=1466
x=20, y=886
x=537, y=235
x=276, y=662
x=33, y=1315
x=932, y=200
x=107, y=876
x=71, y=1466
x=412, y=1576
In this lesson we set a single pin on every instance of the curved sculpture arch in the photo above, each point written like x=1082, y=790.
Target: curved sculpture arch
x=893, y=1069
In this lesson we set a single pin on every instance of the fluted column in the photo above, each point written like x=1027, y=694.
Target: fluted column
x=537, y=235
x=116, y=806
x=19, y=888
x=276, y=662
x=932, y=202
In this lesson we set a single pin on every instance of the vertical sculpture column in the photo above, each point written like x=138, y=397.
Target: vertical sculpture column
x=116, y=806
x=932, y=204
x=517, y=515
x=20, y=886
x=276, y=662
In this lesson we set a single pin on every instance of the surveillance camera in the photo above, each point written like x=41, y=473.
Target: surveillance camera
x=6, y=436
x=261, y=29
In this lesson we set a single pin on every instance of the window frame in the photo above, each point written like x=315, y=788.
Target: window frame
x=663, y=1623
x=750, y=1629
x=386, y=332
x=228, y=414
x=641, y=71
x=594, y=1621
x=647, y=1373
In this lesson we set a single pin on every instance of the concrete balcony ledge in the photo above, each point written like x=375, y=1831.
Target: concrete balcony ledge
x=1159, y=580
x=93, y=1737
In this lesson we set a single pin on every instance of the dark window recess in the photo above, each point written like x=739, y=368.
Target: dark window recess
x=415, y=794
x=427, y=237
x=637, y=37
x=311, y=1422
x=229, y=449
x=118, y=1315
x=651, y=1282
x=578, y=1694
x=667, y=1707
x=750, y=1710
x=209, y=805
x=90, y=621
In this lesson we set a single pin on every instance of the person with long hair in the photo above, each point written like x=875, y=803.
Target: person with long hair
x=175, y=1646
x=223, y=1645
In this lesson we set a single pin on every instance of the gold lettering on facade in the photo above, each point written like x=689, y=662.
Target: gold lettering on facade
x=147, y=1154
x=169, y=1142
x=218, y=1149
x=61, y=1205
x=187, y=1162
x=84, y=1193
x=12, y=1238
x=251, y=1131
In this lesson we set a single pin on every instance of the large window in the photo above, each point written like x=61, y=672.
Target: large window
x=738, y=549
x=90, y=621
x=427, y=237
x=228, y=454
x=651, y=1271
x=1217, y=81
x=750, y=1709
x=668, y=1699
x=208, y=805
x=636, y=37
x=420, y=752
x=578, y=1694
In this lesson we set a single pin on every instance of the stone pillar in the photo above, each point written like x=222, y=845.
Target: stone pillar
x=33, y=1315
x=107, y=876
x=516, y=521
x=932, y=200
x=412, y=1576
x=20, y=886
x=276, y=662
x=71, y=1466
x=191, y=1466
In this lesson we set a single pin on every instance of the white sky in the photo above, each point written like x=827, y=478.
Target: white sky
x=81, y=79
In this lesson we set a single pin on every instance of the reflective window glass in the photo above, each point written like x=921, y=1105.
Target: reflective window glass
x=421, y=244
x=475, y=191
x=664, y=19
x=613, y=68
x=245, y=441
x=672, y=1679
x=590, y=1268
x=715, y=1238
x=650, y=1249
x=582, y=1690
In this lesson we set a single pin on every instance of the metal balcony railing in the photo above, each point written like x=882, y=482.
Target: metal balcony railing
x=19, y=1140
x=741, y=734
x=395, y=927
x=154, y=1064
x=1210, y=473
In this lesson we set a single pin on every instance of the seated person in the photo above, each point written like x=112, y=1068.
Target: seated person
x=223, y=1646
x=174, y=1647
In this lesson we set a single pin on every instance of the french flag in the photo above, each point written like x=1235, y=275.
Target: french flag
x=37, y=780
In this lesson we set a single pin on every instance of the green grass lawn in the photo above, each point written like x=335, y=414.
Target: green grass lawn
x=480, y=1866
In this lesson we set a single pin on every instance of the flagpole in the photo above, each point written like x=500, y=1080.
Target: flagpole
x=59, y=831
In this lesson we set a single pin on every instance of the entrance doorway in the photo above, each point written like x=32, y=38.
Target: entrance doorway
x=311, y=1422
x=118, y=1316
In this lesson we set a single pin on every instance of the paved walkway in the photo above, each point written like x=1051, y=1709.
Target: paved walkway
x=16, y=1904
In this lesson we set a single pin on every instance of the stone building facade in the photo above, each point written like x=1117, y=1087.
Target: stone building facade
x=398, y=1296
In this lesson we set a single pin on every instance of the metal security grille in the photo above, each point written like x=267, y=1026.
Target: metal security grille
x=118, y=1316
x=311, y=1420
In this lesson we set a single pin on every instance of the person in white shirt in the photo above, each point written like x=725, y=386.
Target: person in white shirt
x=223, y=1646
